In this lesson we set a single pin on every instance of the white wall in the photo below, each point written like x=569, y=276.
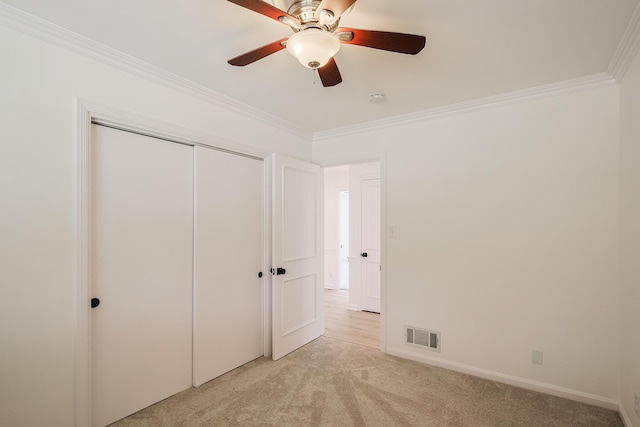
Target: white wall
x=507, y=223
x=37, y=167
x=336, y=179
x=630, y=238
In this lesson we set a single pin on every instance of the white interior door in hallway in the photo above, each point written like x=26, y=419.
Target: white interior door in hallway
x=176, y=253
x=370, y=247
x=364, y=229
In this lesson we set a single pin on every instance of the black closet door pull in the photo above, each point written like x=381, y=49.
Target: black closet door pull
x=280, y=271
x=95, y=302
x=364, y=254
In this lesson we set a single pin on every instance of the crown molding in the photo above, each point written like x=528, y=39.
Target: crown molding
x=553, y=89
x=44, y=30
x=627, y=48
x=49, y=32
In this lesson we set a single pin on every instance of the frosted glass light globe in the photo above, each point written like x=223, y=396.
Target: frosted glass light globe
x=313, y=47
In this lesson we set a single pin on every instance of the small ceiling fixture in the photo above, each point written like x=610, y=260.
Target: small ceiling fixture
x=376, y=97
x=317, y=36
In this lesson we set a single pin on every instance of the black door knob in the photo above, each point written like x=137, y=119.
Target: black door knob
x=260, y=275
x=364, y=254
x=95, y=302
x=280, y=271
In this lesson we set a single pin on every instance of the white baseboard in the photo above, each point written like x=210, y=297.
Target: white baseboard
x=550, y=389
x=625, y=417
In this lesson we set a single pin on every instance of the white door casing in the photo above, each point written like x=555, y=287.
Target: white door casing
x=370, y=246
x=228, y=255
x=297, y=249
x=142, y=224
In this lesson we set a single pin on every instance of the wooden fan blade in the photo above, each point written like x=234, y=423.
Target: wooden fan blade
x=336, y=6
x=393, y=42
x=259, y=53
x=265, y=9
x=329, y=74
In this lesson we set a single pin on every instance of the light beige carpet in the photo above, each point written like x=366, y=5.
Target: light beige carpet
x=333, y=383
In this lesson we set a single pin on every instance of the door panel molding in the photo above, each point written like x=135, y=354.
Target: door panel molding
x=306, y=314
x=295, y=182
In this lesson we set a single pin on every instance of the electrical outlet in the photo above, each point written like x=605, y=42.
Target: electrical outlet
x=536, y=356
x=636, y=407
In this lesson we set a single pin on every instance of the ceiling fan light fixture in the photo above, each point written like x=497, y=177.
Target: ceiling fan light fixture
x=313, y=47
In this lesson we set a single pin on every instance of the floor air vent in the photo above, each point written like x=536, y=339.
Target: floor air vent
x=422, y=338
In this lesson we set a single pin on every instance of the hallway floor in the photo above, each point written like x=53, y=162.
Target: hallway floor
x=357, y=327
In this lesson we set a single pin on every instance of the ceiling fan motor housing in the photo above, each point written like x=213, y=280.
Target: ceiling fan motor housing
x=306, y=12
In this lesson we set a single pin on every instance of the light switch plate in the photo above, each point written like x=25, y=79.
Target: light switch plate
x=536, y=356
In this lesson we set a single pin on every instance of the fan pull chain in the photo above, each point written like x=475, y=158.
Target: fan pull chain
x=315, y=72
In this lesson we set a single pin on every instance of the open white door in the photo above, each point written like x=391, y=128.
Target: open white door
x=297, y=254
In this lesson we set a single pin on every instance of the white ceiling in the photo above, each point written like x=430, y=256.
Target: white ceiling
x=475, y=49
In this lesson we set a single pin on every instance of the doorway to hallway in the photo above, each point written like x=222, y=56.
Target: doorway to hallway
x=352, y=253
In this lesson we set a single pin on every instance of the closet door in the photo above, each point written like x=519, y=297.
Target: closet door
x=142, y=240
x=228, y=301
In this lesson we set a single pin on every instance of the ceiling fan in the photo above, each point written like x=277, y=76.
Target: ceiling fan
x=317, y=37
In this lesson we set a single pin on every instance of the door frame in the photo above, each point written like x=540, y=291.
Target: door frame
x=87, y=112
x=365, y=157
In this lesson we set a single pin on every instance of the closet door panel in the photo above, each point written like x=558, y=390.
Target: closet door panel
x=142, y=244
x=228, y=233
